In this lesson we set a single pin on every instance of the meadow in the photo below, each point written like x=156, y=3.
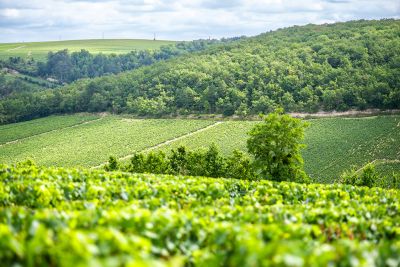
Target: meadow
x=333, y=144
x=69, y=217
x=39, y=50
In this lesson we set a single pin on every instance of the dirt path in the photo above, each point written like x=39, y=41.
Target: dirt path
x=54, y=130
x=350, y=113
x=377, y=162
x=166, y=142
x=22, y=46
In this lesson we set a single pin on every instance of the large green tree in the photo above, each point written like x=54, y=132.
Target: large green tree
x=275, y=145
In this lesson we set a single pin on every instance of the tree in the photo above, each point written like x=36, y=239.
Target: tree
x=275, y=145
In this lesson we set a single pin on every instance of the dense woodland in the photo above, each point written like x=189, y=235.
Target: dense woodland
x=352, y=65
x=66, y=67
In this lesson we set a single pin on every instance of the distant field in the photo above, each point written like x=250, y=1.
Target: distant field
x=39, y=50
x=16, y=131
x=91, y=144
x=333, y=144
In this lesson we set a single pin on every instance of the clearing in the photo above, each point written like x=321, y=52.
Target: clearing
x=39, y=50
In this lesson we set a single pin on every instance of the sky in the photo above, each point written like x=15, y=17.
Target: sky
x=44, y=20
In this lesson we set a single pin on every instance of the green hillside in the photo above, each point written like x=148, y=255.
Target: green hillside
x=341, y=66
x=68, y=217
x=333, y=144
x=39, y=50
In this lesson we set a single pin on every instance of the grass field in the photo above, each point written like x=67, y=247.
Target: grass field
x=333, y=144
x=39, y=50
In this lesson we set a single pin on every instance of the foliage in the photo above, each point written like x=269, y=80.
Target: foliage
x=70, y=217
x=66, y=67
x=275, y=145
x=198, y=162
x=364, y=177
x=112, y=164
x=341, y=66
x=369, y=176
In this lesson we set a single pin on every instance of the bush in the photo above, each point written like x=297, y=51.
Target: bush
x=368, y=176
x=180, y=161
x=112, y=164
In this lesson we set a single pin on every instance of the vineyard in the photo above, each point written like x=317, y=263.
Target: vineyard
x=71, y=217
x=91, y=144
x=333, y=144
x=17, y=131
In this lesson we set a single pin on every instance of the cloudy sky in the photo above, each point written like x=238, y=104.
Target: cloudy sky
x=39, y=20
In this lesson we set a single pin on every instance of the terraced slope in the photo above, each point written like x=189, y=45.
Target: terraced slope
x=68, y=217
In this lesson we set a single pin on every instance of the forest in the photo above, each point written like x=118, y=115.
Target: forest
x=341, y=66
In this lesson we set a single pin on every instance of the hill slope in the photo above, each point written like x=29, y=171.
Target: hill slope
x=332, y=67
x=333, y=144
x=39, y=50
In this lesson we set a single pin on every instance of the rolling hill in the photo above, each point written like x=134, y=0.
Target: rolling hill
x=39, y=50
x=341, y=66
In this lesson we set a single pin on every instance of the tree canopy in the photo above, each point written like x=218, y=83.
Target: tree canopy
x=275, y=145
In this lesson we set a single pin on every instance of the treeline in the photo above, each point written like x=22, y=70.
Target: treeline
x=211, y=163
x=341, y=66
x=67, y=67
x=180, y=161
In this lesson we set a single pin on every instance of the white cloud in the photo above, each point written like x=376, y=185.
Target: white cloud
x=37, y=20
x=10, y=13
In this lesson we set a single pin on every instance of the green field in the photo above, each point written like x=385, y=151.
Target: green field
x=69, y=217
x=333, y=144
x=17, y=131
x=39, y=50
x=90, y=144
x=388, y=167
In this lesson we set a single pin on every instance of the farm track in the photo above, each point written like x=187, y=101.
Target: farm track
x=51, y=131
x=16, y=48
x=166, y=142
x=344, y=114
x=378, y=161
